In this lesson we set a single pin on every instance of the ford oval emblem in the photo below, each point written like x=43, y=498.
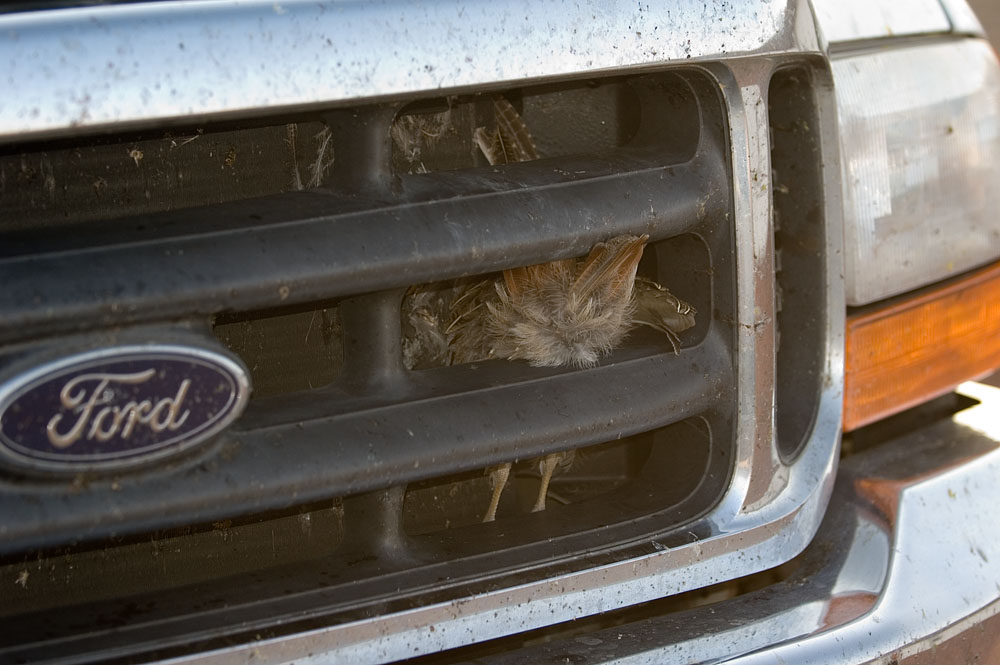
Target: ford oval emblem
x=118, y=406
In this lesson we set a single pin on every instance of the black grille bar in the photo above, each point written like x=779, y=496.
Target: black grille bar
x=301, y=448
x=302, y=247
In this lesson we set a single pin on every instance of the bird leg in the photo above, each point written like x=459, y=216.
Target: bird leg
x=548, y=466
x=498, y=474
x=510, y=142
x=658, y=308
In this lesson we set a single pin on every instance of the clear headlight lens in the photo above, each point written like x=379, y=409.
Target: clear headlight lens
x=920, y=148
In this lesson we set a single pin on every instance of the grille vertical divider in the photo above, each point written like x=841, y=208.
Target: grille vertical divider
x=373, y=361
x=373, y=526
x=373, y=364
x=362, y=149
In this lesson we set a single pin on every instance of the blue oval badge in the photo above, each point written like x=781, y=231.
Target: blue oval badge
x=119, y=406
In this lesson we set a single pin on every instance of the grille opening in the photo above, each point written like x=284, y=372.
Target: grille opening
x=799, y=247
x=434, y=136
x=154, y=563
x=308, y=561
x=676, y=455
x=108, y=177
x=105, y=177
x=681, y=264
x=286, y=350
x=596, y=116
x=309, y=550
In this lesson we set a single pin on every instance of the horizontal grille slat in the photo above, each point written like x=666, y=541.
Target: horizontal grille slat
x=293, y=248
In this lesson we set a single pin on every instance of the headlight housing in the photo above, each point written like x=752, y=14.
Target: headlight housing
x=920, y=140
x=920, y=132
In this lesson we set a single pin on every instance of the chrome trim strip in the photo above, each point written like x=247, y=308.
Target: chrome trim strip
x=907, y=558
x=963, y=19
x=745, y=538
x=134, y=64
x=755, y=327
x=852, y=20
x=944, y=570
x=478, y=618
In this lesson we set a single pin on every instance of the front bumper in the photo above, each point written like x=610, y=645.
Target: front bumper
x=905, y=568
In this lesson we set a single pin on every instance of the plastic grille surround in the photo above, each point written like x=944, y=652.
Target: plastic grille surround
x=354, y=246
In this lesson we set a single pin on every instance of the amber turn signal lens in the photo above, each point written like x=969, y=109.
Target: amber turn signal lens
x=921, y=347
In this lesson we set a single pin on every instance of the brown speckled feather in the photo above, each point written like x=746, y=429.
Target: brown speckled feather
x=568, y=312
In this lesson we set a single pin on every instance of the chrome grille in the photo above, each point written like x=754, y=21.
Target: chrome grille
x=686, y=479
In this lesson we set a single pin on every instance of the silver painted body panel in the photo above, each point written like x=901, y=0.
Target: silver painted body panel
x=962, y=17
x=135, y=64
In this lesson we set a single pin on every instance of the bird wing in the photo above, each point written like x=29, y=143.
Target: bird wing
x=615, y=261
x=518, y=280
x=515, y=279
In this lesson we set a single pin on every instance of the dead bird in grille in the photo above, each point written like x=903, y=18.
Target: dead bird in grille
x=560, y=313
x=425, y=318
x=568, y=312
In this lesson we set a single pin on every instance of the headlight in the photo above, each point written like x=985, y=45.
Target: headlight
x=920, y=140
x=920, y=133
